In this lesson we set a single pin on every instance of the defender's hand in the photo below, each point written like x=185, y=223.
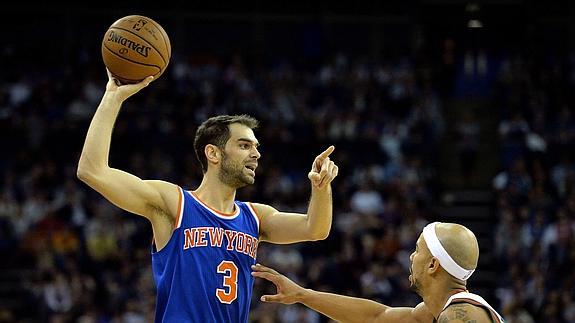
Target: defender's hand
x=323, y=170
x=288, y=292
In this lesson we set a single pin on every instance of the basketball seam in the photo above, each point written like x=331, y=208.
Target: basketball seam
x=144, y=39
x=163, y=32
x=129, y=60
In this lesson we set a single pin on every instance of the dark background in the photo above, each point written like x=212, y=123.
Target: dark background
x=473, y=103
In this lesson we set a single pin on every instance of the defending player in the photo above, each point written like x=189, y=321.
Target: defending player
x=445, y=256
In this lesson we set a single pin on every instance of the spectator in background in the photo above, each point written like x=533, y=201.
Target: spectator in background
x=512, y=133
x=468, y=131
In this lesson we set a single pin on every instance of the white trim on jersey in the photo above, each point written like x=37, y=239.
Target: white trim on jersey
x=255, y=215
x=181, y=207
x=216, y=213
x=474, y=297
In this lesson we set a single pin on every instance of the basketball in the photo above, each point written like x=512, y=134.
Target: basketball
x=135, y=47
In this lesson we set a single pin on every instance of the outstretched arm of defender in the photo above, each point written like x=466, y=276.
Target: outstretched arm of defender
x=338, y=307
x=146, y=198
x=316, y=224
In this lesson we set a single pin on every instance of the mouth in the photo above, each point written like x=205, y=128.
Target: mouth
x=251, y=169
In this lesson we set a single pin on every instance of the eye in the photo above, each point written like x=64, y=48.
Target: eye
x=244, y=146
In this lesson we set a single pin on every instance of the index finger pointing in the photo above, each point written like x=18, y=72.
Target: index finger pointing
x=327, y=152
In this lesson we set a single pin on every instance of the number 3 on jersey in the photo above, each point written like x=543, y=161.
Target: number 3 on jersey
x=230, y=271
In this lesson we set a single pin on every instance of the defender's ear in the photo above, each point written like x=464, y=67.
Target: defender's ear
x=433, y=266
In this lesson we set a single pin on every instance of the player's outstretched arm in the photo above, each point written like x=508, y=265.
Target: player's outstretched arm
x=146, y=198
x=282, y=227
x=338, y=307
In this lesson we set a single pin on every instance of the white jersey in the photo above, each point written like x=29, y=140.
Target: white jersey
x=470, y=298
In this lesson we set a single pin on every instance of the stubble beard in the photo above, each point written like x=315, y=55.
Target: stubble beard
x=232, y=174
x=415, y=285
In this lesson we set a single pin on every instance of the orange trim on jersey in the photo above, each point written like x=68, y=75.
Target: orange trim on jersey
x=179, y=214
x=476, y=303
x=234, y=213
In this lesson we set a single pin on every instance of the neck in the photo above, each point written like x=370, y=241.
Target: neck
x=216, y=194
x=440, y=292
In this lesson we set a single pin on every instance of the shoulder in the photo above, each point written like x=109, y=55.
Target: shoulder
x=422, y=313
x=464, y=313
x=166, y=189
x=262, y=210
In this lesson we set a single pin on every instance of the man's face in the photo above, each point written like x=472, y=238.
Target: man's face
x=240, y=157
x=418, y=259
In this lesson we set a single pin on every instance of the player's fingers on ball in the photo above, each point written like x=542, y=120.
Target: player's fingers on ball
x=148, y=80
x=145, y=82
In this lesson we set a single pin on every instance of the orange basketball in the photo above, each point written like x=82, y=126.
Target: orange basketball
x=135, y=47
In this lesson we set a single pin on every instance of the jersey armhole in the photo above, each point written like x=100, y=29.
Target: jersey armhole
x=254, y=214
x=180, y=213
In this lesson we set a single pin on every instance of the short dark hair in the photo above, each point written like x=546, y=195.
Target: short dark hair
x=216, y=131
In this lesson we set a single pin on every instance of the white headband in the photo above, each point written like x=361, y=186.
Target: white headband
x=441, y=254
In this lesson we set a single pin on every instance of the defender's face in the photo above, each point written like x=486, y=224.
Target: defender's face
x=240, y=157
x=418, y=259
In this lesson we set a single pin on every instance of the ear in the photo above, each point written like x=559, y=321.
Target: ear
x=213, y=153
x=433, y=266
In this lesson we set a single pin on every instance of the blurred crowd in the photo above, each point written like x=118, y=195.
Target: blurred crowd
x=71, y=256
x=535, y=237
x=81, y=259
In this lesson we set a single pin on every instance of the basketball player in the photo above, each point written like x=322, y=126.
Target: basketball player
x=204, y=240
x=445, y=256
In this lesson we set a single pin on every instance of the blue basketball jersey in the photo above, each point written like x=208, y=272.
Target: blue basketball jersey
x=203, y=274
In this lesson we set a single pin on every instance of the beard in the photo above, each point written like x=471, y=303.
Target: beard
x=414, y=284
x=232, y=173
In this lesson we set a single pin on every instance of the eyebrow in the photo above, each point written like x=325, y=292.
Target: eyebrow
x=256, y=143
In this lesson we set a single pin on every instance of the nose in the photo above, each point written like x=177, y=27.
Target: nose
x=411, y=256
x=255, y=153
